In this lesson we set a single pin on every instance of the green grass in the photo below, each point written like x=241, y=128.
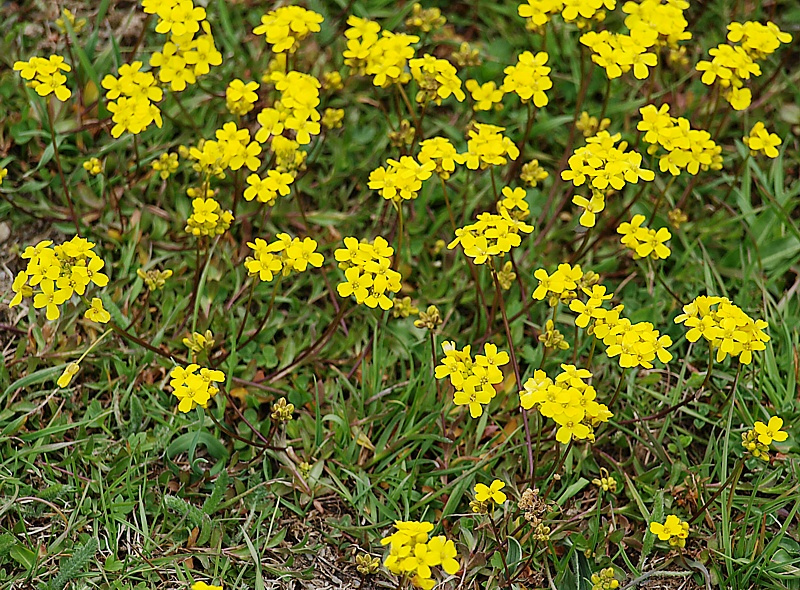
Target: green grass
x=104, y=484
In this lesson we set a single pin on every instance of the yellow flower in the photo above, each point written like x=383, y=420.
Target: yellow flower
x=761, y=140
x=771, y=431
x=69, y=372
x=240, y=97
x=673, y=530
x=492, y=491
x=204, y=586
x=50, y=298
x=97, y=312
x=154, y=279
x=486, y=96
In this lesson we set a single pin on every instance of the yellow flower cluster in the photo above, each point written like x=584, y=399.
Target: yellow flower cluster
x=197, y=342
x=183, y=57
x=652, y=24
x=606, y=164
x=757, y=440
x=560, y=285
x=644, y=241
x=236, y=148
x=154, y=279
x=240, y=97
x=288, y=155
x=537, y=13
x=688, y=149
x=725, y=326
x=425, y=19
x=295, y=111
x=266, y=190
x=732, y=65
x=492, y=235
x=761, y=140
x=208, y=218
x=194, y=388
x=132, y=96
x=76, y=24
x=413, y=553
x=3, y=174
x=368, y=272
x=589, y=125
x=332, y=118
x=618, y=53
x=585, y=10
x=529, y=78
x=513, y=203
x=605, y=580
x=570, y=401
x=381, y=54
x=437, y=79
x=473, y=379
x=487, y=146
x=756, y=39
x=401, y=179
x=45, y=76
x=59, y=272
x=232, y=149
x=665, y=19
x=93, y=166
x=286, y=26
x=166, y=164
x=285, y=255
x=673, y=530
x=332, y=81
x=636, y=344
x=532, y=173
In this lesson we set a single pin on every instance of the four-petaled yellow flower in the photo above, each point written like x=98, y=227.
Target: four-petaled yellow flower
x=771, y=431
x=490, y=492
x=761, y=140
x=673, y=530
x=97, y=312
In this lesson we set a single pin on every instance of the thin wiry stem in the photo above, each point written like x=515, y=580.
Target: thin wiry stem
x=515, y=366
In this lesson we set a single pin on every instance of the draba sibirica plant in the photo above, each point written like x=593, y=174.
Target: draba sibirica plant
x=400, y=294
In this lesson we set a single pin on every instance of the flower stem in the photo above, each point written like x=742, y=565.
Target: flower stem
x=558, y=466
x=515, y=365
x=619, y=388
x=737, y=471
x=57, y=156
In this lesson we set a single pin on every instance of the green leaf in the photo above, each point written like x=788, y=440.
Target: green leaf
x=513, y=553
x=24, y=556
x=572, y=490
